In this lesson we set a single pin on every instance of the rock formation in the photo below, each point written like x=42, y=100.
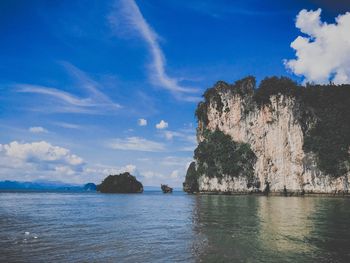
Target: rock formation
x=122, y=183
x=300, y=138
x=166, y=189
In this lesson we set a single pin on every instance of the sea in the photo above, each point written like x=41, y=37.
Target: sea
x=177, y=227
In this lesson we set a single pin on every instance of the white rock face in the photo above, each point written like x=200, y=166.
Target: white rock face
x=276, y=137
x=227, y=184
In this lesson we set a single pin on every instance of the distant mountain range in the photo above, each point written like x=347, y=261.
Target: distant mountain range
x=44, y=186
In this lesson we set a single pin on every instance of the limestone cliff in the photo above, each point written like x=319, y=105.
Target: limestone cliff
x=275, y=122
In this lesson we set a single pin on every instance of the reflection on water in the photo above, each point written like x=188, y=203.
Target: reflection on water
x=284, y=225
x=274, y=229
x=152, y=227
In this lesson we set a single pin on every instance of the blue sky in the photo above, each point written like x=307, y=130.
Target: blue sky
x=77, y=77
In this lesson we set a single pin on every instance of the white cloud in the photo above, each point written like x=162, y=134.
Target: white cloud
x=109, y=170
x=142, y=122
x=136, y=144
x=68, y=125
x=130, y=168
x=95, y=102
x=174, y=174
x=38, y=129
x=174, y=161
x=169, y=135
x=151, y=174
x=59, y=94
x=93, y=87
x=190, y=148
x=39, y=160
x=134, y=20
x=322, y=55
x=162, y=125
x=172, y=178
x=184, y=136
x=40, y=152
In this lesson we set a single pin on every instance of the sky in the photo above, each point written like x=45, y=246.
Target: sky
x=91, y=88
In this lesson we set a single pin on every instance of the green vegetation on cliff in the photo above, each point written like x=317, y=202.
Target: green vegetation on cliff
x=218, y=155
x=191, y=181
x=275, y=86
x=324, y=115
x=322, y=110
x=213, y=96
x=329, y=137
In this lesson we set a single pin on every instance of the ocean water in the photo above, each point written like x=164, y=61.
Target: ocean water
x=153, y=227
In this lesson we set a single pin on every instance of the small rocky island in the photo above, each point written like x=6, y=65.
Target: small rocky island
x=121, y=183
x=166, y=189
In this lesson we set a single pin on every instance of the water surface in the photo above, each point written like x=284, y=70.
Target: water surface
x=153, y=227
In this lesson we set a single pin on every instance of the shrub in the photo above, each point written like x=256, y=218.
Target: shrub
x=218, y=155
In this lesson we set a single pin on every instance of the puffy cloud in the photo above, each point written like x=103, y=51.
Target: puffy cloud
x=136, y=144
x=39, y=160
x=38, y=130
x=322, y=55
x=142, y=122
x=130, y=168
x=162, y=125
x=39, y=153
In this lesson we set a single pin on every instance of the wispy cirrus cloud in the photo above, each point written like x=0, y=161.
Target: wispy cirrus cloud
x=129, y=12
x=95, y=102
x=226, y=9
x=136, y=144
x=90, y=85
x=56, y=93
x=68, y=125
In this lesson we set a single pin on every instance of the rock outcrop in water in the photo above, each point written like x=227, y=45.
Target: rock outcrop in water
x=122, y=183
x=286, y=137
x=166, y=189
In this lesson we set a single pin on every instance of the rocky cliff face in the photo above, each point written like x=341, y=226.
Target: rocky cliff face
x=275, y=131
